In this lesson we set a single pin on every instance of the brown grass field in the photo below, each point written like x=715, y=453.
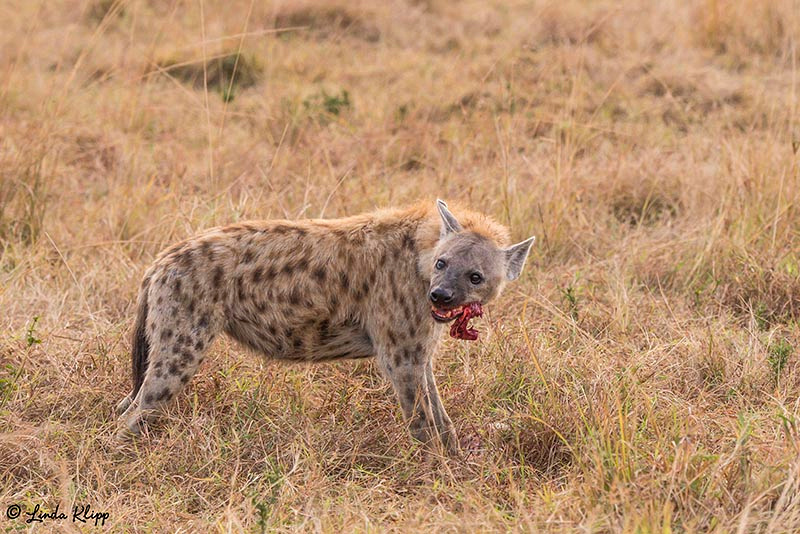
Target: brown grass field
x=642, y=376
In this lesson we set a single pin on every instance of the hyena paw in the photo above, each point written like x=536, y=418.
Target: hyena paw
x=125, y=434
x=450, y=442
x=123, y=405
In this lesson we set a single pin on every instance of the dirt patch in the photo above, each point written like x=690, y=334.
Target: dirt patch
x=327, y=21
x=229, y=69
x=644, y=202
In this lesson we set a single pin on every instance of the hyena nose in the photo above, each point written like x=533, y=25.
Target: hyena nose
x=441, y=296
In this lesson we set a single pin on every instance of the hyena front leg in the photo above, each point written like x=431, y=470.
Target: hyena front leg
x=444, y=425
x=407, y=369
x=179, y=332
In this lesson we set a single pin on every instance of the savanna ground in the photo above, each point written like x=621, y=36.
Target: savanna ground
x=642, y=376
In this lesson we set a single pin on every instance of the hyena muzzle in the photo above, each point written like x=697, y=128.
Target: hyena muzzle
x=380, y=284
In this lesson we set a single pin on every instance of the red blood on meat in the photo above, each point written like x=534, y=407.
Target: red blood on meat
x=460, y=327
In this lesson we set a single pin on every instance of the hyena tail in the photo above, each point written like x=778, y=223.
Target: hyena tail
x=140, y=352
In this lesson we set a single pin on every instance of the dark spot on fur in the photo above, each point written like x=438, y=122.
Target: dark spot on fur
x=406, y=310
x=411, y=394
x=247, y=257
x=324, y=329
x=164, y=395
x=174, y=369
x=185, y=378
x=158, y=364
x=177, y=286
x=297, y=343
x=412, y=356
x=217, y=280
x=186, y=357
x=397, y=359
x=288, y=268
x=272, y=329
x=159, y=300
x=257, y=273
x=183, y=340
x=319, y=274
x=199, y=345
x=191, y=307
x=392, y=337
x=240, y=288
x=302, y=264
x=344, y=280
x=408, y=241
x=176, y=348
x=203, y=323
x=166, y=334
x=207, y=251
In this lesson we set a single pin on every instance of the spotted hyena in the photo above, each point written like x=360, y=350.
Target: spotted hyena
x=380, y=284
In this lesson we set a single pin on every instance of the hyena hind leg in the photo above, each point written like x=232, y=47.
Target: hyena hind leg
x=176, y=351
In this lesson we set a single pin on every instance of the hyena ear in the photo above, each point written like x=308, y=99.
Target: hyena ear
x=516, y=256
x=449, y=222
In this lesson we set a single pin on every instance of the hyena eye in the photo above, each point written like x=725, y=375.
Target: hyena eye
x=475, y=278
x=440, y=264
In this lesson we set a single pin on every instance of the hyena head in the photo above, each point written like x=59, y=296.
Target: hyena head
x=469, y=267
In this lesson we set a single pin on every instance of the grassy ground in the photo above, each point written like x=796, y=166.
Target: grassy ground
x=643, y=376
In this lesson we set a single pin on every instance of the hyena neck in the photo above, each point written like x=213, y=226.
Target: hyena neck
x=426, y=237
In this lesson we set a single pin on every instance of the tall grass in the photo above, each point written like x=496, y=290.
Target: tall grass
x=643, y=374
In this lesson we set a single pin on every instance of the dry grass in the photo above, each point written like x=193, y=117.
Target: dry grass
x=643, y=376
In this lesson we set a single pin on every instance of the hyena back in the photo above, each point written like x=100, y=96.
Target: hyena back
x=378, y=284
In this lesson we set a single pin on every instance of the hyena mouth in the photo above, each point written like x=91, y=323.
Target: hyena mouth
x=460, y=328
